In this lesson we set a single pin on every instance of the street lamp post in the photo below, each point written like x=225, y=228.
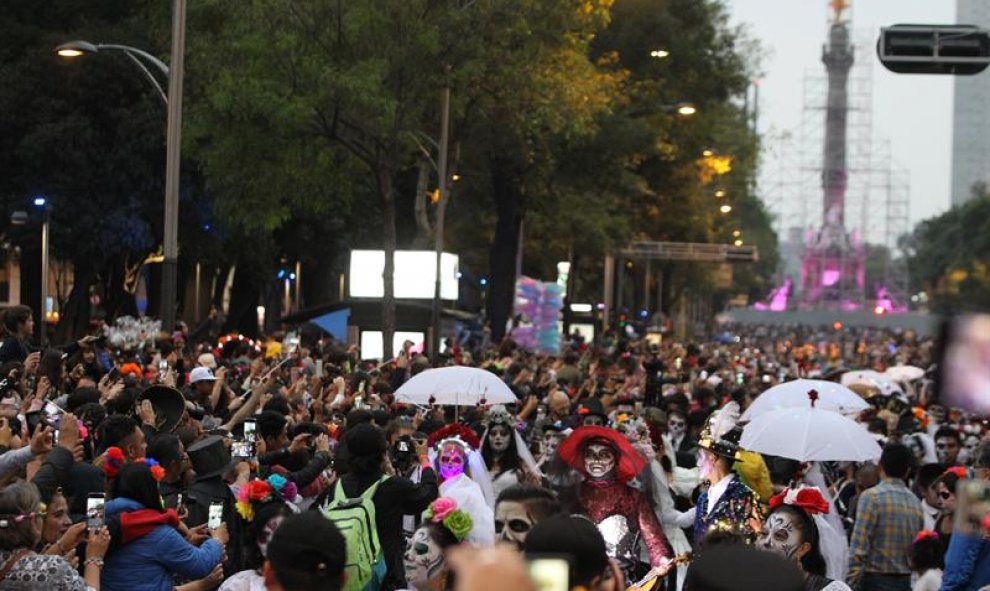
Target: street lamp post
x=43, y=314
x=441, y=208
x=173, y=141
x=19, y=218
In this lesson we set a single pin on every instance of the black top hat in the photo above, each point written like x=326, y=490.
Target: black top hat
x=592, y=407
x=210, y=457
x=169, y=405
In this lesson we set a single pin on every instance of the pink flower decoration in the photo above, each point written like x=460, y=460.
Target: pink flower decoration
x=441, y=508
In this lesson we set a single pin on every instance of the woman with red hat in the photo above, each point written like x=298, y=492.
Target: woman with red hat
x=623, y=514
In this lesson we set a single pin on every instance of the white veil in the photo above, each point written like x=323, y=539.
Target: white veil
x=476, y=471
x=525, y=456
x=831, y=532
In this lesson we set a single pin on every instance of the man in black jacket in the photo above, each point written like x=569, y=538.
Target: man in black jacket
x=395, y=497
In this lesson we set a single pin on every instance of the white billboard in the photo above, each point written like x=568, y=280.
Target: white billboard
x=415, y=274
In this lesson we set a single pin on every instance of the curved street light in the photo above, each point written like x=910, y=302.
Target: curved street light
x=74, y=49
x=173, y=140
x=686, y=109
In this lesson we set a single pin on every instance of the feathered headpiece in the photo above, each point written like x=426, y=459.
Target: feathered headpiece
x=455, y=433
x=257, y=492
x=807, y=498
x=720, y=434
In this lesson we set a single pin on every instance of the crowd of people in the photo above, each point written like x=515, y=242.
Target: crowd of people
x=243, y=465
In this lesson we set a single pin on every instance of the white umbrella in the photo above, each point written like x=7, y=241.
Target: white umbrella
x=864, y=376
x=457, y=385
x=904, y=373
x=810, y=435
x=794, y=394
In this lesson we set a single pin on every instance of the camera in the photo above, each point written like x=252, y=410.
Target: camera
x=403, y=454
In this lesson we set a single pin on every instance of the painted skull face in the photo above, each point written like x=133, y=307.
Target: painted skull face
x=451, y=461
x=423, y=560
x=265, y=535
x=499, y=437
x=781, y=534
x=512, y=522
x=972, y=442
x=599, y=460
x=550, y=442
x=913, y=442
x=677, y=426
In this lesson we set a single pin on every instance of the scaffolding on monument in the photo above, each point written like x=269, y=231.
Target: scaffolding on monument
x=877, y=192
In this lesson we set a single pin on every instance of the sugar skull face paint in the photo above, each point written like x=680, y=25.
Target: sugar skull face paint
x=550, y=442
x=451, y=461
x=266, y=533
x=499, y=438
x=781, y=535
x=677, y=426
x=512, y=522
x=423, y=560
x=599, y=460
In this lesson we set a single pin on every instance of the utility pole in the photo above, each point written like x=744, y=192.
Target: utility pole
x=441, y=209
x=170, y=235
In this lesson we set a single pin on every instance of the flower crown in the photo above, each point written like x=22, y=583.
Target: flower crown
x=807, y=498
x=455, y=433
x=256, y=492
x=959, y=471
x=444, y=511
x=114, y=460
x=925, y=534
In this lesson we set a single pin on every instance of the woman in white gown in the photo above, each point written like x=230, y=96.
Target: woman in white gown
x=464, y=478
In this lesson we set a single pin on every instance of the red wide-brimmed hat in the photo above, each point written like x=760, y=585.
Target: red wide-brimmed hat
x=628, y=463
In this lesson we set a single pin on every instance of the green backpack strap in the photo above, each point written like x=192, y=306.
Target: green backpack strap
x=373, y=488
x=339, y=496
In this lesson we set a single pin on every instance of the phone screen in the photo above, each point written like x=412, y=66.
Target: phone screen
x=215, y=516
x=178, y=501
x=242, y=449
x=94, y=510
x=550, y=574
x=249, y=429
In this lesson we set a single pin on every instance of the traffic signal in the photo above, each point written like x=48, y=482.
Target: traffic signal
x=934, y=49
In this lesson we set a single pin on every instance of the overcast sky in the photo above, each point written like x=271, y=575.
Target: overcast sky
x=913, y=112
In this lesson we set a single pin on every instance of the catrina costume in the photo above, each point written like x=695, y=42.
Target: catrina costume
x=728, y=505
x=623, y=514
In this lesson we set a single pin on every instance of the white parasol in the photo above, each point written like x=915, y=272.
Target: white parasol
x=455, y=386
x=864, y=376
x=794, y=394
x=904, y=373
x=810, y=435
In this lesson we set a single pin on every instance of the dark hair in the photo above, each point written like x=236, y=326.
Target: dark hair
x=307, y=553
x=927, y=475
x=80, y=397
x=896, y=460
x=271, y=424
x=51, y=367
x=123, y=403
x=14, y=316
x=366, y=446
x=115, y=429
x=134, y=481
x=813, y=562
x=262, y=515
x=278, y=404
x=949, y=479
x=573, y=536
x=949, y=432
x=165, y=449
x=927, y=554
x=510, y=459
x=540, y=502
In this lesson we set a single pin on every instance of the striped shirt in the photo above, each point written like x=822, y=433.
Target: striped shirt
x=887, y=518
